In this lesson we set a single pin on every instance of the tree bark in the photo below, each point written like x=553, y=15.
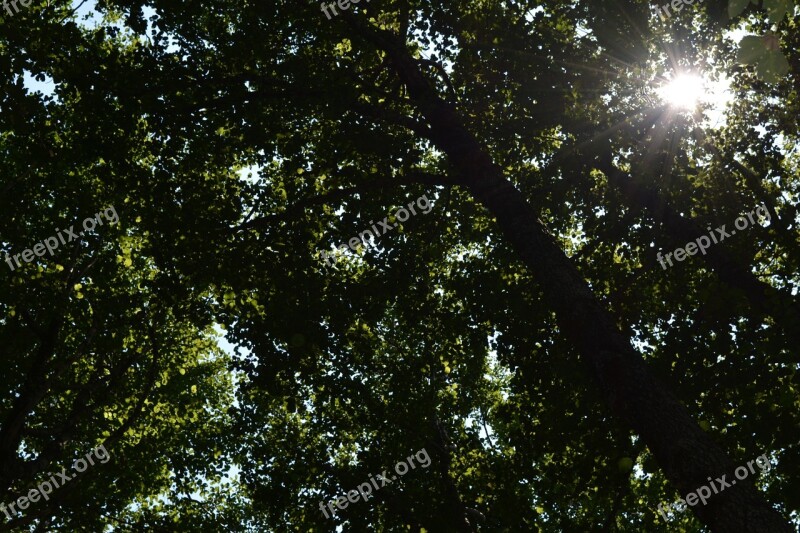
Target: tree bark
x=687, y=455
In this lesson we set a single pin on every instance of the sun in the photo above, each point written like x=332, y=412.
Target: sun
x=684, y=91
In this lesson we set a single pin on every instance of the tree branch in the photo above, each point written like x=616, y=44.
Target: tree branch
x=412, y=178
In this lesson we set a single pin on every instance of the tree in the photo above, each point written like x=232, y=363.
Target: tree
x=521, y=331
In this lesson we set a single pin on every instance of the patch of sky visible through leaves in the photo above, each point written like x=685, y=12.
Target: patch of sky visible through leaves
x=86, y=16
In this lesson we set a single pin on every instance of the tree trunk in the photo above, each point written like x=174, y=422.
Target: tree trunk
x=687, y=455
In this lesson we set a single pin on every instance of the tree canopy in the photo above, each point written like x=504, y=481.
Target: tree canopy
x=533, y=327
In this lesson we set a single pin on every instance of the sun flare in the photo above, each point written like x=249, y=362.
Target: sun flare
x=683, y=91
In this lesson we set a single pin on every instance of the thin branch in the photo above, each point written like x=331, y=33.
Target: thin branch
x=445, y=76
x=339, y=194
x=384, y=114
x=753, y=181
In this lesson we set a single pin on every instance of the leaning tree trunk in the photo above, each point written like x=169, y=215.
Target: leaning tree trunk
x=687, y=455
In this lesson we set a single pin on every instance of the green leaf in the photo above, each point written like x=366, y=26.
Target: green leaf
x=772, y=67
x=625, y=464
x=751, y=49
x=776, y=9
x=735, y=7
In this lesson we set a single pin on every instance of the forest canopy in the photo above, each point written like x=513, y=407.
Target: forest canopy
x=400, y=265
